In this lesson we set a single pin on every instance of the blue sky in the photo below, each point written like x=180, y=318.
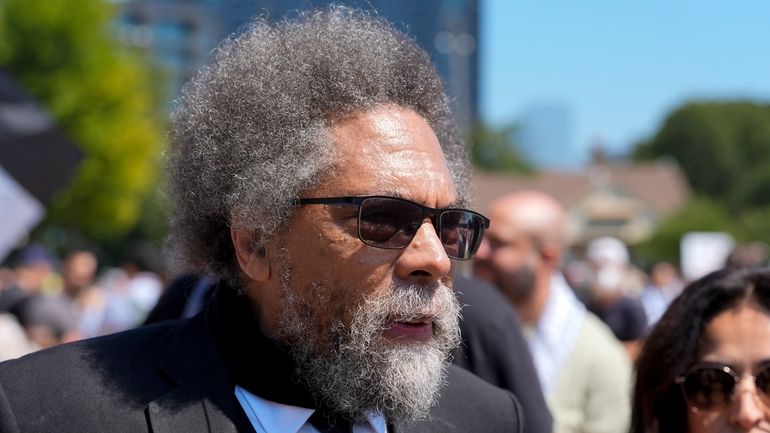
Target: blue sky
x=620, y=67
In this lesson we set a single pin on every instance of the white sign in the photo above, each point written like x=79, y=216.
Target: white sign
x=19, y=213
x=704, y=252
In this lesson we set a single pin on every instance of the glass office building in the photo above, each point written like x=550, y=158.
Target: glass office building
x=180, y=34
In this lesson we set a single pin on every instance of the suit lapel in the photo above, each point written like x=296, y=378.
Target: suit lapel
x=203, y=404
x=203, y=397
x=168, y=415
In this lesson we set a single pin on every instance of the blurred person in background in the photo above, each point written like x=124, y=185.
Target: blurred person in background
x=13, y=340
x=662, y=287
x=32, y=315
x=611, y=263
x=583, y=370
x=615, y=290
x=34, y=268
x=130, y=291
x=86, y=298
x=48, y=320
x=7, y=278
x=705, y=368
x=579, y=275
x=749, y=255
x=78, y=272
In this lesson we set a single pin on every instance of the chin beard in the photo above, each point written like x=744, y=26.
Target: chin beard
x=354, y=370
x=519, y=284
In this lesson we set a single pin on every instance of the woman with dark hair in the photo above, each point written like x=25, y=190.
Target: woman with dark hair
x=706, y=366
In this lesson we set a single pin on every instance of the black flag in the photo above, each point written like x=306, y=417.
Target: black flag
x=33, y=150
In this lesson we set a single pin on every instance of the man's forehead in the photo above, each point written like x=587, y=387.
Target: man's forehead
x=384, y=128
x=508, y=224
x=393, y=120
x=390, y=150
x=503, y=231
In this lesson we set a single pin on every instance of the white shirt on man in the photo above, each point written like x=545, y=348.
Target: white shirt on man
x=270, y=417
x=553, y=337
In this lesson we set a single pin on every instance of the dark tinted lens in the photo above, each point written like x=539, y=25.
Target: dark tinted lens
x=388, y=223
x=708, y=387
x=762, y=380
x=460, y=233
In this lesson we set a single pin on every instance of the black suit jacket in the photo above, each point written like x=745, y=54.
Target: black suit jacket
x=493, y=348
x=173, y=378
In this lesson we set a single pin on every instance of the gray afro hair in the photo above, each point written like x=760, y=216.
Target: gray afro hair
x=251, y=130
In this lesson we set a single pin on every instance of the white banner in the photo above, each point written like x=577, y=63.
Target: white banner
x=19, y=213
x=704, y=252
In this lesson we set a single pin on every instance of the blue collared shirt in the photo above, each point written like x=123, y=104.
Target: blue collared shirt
x=270, y=417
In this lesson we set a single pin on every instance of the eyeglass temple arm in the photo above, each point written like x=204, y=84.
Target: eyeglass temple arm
x=321, y=200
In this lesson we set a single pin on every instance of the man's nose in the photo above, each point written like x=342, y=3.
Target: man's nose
x=424, y=259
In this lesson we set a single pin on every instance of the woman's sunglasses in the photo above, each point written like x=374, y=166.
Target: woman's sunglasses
x=712, y=386
x=391, y=223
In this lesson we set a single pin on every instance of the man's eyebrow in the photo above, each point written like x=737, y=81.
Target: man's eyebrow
x=403, y=195
x=454, y=204
x=395, y=193
x=458, y=203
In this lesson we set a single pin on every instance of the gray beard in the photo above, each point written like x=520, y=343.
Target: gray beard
x=355, y=370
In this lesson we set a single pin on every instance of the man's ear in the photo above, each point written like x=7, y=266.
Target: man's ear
x=550, y=253
x=252, y=257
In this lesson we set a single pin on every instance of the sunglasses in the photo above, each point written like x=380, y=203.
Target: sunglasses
x=391, y=223
x=711, y=387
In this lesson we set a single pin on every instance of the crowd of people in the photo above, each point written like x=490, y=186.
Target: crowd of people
x=319, y=190
x=575, y=329
x=46, y=300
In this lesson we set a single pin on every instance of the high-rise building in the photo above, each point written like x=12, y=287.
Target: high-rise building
x=176, y=35
x=180, y=34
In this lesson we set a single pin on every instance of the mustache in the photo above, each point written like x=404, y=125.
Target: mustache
x=405, y=302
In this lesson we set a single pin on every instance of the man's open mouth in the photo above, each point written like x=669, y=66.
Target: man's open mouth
x=418, y=330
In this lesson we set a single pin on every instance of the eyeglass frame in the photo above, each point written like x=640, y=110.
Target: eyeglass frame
x=434, y=214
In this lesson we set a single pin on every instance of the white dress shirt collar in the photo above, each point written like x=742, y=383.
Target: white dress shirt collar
x=270, y=417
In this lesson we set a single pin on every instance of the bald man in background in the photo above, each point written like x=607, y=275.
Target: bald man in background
x=583, y=370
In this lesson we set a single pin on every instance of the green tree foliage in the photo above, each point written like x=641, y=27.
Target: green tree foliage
x=494, y=150
x=723, y=149
x=63, y=54
x=753, y=225
x=700, y=214
x=703, y=214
